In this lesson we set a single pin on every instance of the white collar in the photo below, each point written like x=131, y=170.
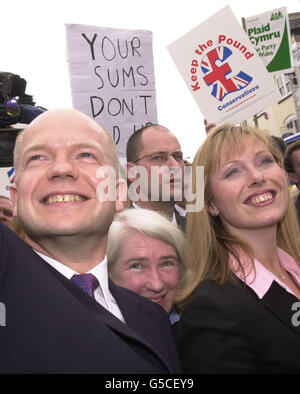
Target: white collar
x=180, y=210
x=100, y=271
x=174, y=221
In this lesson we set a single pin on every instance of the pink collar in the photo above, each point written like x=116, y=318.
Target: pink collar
x=261, y=278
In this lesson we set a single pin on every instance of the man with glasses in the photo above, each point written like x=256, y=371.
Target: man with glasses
x=158, y=152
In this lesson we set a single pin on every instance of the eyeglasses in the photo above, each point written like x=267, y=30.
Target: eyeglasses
x=162, y=157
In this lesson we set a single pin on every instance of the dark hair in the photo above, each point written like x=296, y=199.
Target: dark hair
x=280, y=144
x=134, y=144
x=288, y=163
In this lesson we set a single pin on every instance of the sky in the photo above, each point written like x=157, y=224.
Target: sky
x=33, y=41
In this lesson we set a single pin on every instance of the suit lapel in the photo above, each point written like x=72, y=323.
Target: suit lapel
x=280, y=303
x=136, y=318
x=132, y=314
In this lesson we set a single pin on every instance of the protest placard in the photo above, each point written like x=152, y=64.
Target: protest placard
x=270, y=34
x=112, y=78
x=222, y=70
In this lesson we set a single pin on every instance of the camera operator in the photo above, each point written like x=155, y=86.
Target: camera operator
x=15, y=105
x=17, y=109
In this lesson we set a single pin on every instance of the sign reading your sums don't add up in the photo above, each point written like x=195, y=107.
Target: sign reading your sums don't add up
x=222, y=70
x=112, y=78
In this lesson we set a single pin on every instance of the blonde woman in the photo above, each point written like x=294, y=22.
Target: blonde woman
x=240, y=307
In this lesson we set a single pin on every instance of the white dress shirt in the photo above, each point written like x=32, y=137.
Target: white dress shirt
x=180, y=210
x=102, y=292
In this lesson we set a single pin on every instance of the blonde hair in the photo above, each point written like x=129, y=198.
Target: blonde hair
x=208, y=243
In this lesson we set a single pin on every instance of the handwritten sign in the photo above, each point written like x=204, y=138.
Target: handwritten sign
x=112, y=78
x=270, y=34
x=222, y=70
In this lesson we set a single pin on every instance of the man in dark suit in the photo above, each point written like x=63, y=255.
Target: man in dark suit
x=154, y=147
x=63, y=314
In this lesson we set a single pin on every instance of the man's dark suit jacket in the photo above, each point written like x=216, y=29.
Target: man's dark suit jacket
x=52, y=326
x=180, y=220
x=228, y=329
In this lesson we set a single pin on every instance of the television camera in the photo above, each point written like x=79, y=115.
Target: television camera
x=15, y=107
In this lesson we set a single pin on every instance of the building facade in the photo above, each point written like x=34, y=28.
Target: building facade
x=283, y=118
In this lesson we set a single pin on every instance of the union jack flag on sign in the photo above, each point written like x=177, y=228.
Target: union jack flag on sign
x=215, y=74
x=11, y=175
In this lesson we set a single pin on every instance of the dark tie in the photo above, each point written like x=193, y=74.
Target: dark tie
x=87, y=282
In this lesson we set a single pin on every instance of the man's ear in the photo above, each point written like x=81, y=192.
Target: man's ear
x=212, y=209
x=14, y=197
x=129, y=166
x=121, y=195
x=293, y=177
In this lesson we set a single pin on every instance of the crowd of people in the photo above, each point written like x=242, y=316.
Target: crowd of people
x=135, y=283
